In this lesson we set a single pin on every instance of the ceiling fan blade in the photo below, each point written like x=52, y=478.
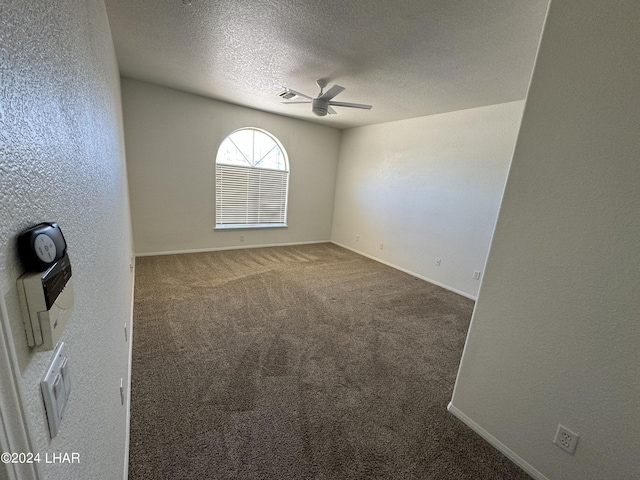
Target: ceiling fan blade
x=331, y=111
x=291, y=90
x=299, y=101
x=332, y=92
x=352, y=105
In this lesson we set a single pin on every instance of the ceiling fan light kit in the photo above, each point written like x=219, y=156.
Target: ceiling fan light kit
x=321, y=105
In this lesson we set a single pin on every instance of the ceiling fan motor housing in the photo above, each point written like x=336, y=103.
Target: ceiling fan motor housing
x=319, y=107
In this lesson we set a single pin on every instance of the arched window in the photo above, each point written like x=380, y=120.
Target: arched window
x=252, y=181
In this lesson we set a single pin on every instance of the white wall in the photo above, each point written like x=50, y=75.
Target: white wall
x=555, y=333
x=62, y=158
x=426, y=188
x=172, y=138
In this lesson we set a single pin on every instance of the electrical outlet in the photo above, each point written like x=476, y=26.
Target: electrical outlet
x=381, y=246
x=438, y=261
x=357, y=238
x=476, y=274
x=242, y=238
x=566, y=439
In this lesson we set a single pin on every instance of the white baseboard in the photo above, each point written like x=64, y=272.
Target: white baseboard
x=506, y=451
x=234, y=247
x=414, y=274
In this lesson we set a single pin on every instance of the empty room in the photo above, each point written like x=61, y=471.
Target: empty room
x=319, y=240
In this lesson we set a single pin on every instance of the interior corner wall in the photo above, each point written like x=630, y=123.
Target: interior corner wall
x=172, y=139
x=62, y=159
x=426, y=188
x=555, y=333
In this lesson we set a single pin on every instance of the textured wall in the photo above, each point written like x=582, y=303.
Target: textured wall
x=555, y=333
x=172, y=140
x=426, y=188
x=62, y=158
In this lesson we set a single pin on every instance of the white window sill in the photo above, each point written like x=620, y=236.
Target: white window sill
x=247, y=226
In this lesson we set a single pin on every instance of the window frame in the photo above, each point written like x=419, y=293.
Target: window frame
x=253, y=171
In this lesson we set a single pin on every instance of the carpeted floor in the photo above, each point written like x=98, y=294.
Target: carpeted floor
x=303, y=362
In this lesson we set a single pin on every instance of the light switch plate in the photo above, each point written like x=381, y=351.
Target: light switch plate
x=56, y=387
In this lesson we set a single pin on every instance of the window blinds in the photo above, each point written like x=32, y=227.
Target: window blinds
x=250, y=195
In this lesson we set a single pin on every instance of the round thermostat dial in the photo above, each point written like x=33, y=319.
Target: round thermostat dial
x=44, y=248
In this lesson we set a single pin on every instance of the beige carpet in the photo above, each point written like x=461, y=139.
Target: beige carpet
x=304, y=362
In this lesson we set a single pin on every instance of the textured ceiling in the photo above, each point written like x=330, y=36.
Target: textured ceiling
x=408, y=58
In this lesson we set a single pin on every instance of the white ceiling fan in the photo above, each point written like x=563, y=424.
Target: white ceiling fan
x=321, y=105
